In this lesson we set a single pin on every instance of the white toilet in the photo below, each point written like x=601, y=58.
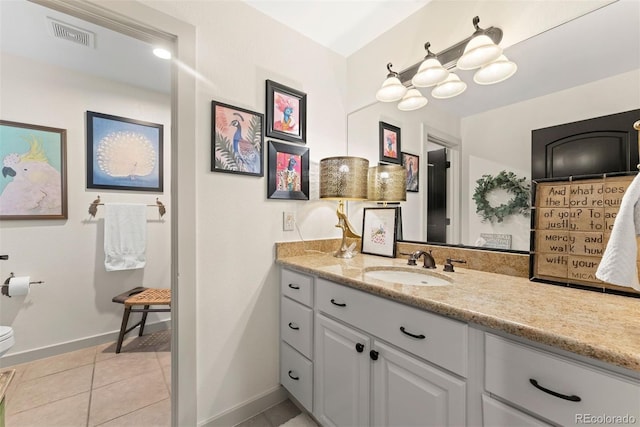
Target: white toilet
x=6, y=339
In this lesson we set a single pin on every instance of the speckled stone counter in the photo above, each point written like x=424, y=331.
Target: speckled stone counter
x=600, y=326
x=5, y=380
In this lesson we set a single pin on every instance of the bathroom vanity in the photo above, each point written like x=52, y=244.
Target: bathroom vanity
x=463, y=348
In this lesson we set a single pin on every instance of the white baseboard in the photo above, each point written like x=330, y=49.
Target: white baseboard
x=247, y=409
x=26, y=356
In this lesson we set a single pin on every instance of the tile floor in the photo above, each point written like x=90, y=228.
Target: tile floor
x=95, y=387
x=272, y=417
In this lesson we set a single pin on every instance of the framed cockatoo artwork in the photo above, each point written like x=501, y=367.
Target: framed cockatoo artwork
x=286, y=113
x=123, y=153
x=33, y=184
x=237, y=141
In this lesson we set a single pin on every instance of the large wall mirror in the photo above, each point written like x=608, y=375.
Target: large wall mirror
x=585, y=68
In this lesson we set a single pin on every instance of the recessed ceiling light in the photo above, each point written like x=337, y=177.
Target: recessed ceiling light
x=162, y=53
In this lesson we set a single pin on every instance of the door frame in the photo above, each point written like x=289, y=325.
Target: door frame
x=454, y=179
x=152, y=26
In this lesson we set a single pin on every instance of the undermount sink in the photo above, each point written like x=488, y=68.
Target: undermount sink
x=406, y=276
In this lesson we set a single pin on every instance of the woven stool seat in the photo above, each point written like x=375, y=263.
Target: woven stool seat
x=150, y=296
x=145, y=297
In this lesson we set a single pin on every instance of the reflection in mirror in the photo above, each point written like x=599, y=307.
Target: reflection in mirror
x=489, y=128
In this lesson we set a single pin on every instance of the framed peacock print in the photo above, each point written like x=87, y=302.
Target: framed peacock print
x=288, y=176
x=237, y=141
x=123, y=153
x=286, y=113
x=33, y=184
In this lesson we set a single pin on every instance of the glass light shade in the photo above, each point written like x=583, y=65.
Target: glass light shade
x=392, y=90
x=344, y=178
x=495, y=72
x=387, y=183
x=162, y=53
x=412, y=101
x=479, y=51
x=430, y=73
x=449, y=88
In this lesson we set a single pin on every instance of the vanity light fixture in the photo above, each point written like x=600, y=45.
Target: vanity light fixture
x=387, y=183
x=481, y=50
x=344, y=178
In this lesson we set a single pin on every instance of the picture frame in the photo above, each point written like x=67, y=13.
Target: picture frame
x=237, y=140
x=380, y=231
x=124, y=154
x=390, y=143
x=25, y=149
x=411, y=163
x=288, y=174
x=286, y=113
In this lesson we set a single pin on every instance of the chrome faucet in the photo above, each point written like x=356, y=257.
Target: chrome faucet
x=429, y=262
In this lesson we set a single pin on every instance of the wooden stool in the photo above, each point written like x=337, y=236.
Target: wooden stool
x=145, y=297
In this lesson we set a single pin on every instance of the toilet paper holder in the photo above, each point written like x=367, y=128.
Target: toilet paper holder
x=4, y=289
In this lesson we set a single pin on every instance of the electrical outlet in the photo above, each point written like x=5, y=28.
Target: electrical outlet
x=288, y=221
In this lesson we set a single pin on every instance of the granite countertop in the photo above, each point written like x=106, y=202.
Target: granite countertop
x=601, y=326
x=5, y=380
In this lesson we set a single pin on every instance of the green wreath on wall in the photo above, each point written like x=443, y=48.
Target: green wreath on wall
x=508, y=181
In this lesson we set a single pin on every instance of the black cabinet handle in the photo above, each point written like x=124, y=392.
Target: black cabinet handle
x=292, y=377
x=292, y=286
x=573, y=398
x=339, y=304
x=373, y=354
x=292, y=326
x=359, y=347
x=404, y=331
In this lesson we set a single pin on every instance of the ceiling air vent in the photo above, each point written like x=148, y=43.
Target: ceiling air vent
x=65, y=31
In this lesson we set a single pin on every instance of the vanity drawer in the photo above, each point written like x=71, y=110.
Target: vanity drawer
x=511, y=369
x=296, y=326
x=296, y=375
x=297, y=286
x=497, y=414
x=435, y=338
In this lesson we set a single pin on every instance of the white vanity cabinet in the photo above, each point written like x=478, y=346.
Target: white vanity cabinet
x=296, y=336
x=361, y=379
x=555, y=388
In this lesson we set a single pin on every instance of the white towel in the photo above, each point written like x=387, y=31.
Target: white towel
x=619, y=265
x=125, y=236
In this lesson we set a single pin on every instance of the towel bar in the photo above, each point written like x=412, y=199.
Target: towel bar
x=93, y=207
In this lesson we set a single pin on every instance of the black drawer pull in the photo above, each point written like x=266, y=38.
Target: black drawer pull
x=292, y=286
x=294, y=327
x=573, y=398
x=339, y=304
x=374, y=355
x=292, y=377
x=404, y=331
x=359, y=347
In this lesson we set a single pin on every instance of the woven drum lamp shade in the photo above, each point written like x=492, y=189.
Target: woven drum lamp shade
x=343, y=178
x=387, y=183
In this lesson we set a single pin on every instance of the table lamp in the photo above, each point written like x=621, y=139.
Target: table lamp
x=387, y=183
x=344, y=178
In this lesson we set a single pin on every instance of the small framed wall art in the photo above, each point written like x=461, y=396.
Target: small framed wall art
x=237, y=141
x=124, y=154
x=389, y=143
x=288, y=176
x=411, y=163
x=286, y=113
x=33, y=184
x=379, y=231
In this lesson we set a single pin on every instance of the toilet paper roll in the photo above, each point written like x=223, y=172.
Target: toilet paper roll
x=18, y=285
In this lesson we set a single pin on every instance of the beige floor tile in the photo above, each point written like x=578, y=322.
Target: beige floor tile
x=124, y=397
x=17, y=377
x=156, y=415
x=123, y=366
x=166, y=372
x=69, y=412
x=258, y=421
x=164, y=357
x=62, y=362
x=282, y=412
x=40, y=391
